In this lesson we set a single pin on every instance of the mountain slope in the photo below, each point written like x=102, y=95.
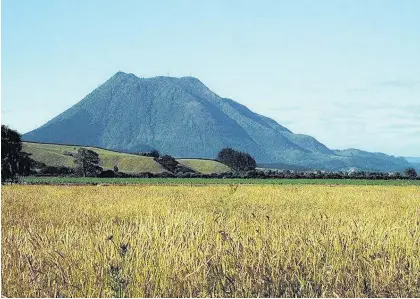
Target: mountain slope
x=415, y=161
x=182, y=117
x=372, y=161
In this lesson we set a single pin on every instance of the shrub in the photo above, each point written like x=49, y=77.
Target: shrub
x=107, y=174
x=168, y=162
x=154, y=153
x=56, y=171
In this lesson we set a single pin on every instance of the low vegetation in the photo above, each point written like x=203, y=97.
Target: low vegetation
x=204, y=181
x=58, y=160
x=210, y=241
x=56, y=155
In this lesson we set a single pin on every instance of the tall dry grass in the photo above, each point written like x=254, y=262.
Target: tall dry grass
x=210, y=241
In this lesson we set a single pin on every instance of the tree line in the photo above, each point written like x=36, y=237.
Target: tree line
x=17, y=163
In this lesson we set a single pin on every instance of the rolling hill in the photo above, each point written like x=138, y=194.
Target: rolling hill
x=55, y=155
x=183, y=118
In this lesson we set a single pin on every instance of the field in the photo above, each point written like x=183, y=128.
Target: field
x=210, y=240
x=204, y=166
x=53, y=155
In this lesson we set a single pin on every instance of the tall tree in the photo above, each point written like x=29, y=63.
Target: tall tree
x=236, y=160
x=14, y=162
x=411, y=172
x=87, y=163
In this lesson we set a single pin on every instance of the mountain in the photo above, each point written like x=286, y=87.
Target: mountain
x=182, y=117
x=415, y=161
x=373, y=161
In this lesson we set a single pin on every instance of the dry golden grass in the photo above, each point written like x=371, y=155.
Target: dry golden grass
x=225, y=241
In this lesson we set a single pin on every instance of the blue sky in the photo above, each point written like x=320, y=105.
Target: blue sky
x=345, y=72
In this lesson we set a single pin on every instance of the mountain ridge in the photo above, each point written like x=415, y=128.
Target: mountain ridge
x=183, y=117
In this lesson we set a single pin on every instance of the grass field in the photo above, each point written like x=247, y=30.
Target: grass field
x=204, y=166
x=53, y=155
x=200, y=181
x=210, y=240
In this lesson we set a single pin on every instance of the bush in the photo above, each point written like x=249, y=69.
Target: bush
x=56, y=171
x=154, y=153
x=106, y=174
x=168, y=162
x=146, y=175
x=166, y=175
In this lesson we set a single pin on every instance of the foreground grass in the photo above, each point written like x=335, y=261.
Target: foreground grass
x=210, y=240
x=199, y=181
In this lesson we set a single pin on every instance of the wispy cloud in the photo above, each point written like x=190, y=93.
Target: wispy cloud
x=403, y=84
x=356, y=90
x=407, y=84
x=288, y=108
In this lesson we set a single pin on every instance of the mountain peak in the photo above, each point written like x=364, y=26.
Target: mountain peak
x=123, y=75
x=188, y=79
x=119, y=74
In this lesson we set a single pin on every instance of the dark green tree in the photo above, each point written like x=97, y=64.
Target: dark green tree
x=227, y=156
x=87, y=163
x=155, y=154
x=410, y=172
x=14, y=162
x=168, y=162
x=237, y=160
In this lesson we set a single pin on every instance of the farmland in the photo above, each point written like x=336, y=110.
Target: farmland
x=57, y=155
x=225, y=240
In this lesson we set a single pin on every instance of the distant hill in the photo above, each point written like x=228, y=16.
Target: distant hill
x=415, y=161
x=373, y=161
x=183, y=118
x=55, y=155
